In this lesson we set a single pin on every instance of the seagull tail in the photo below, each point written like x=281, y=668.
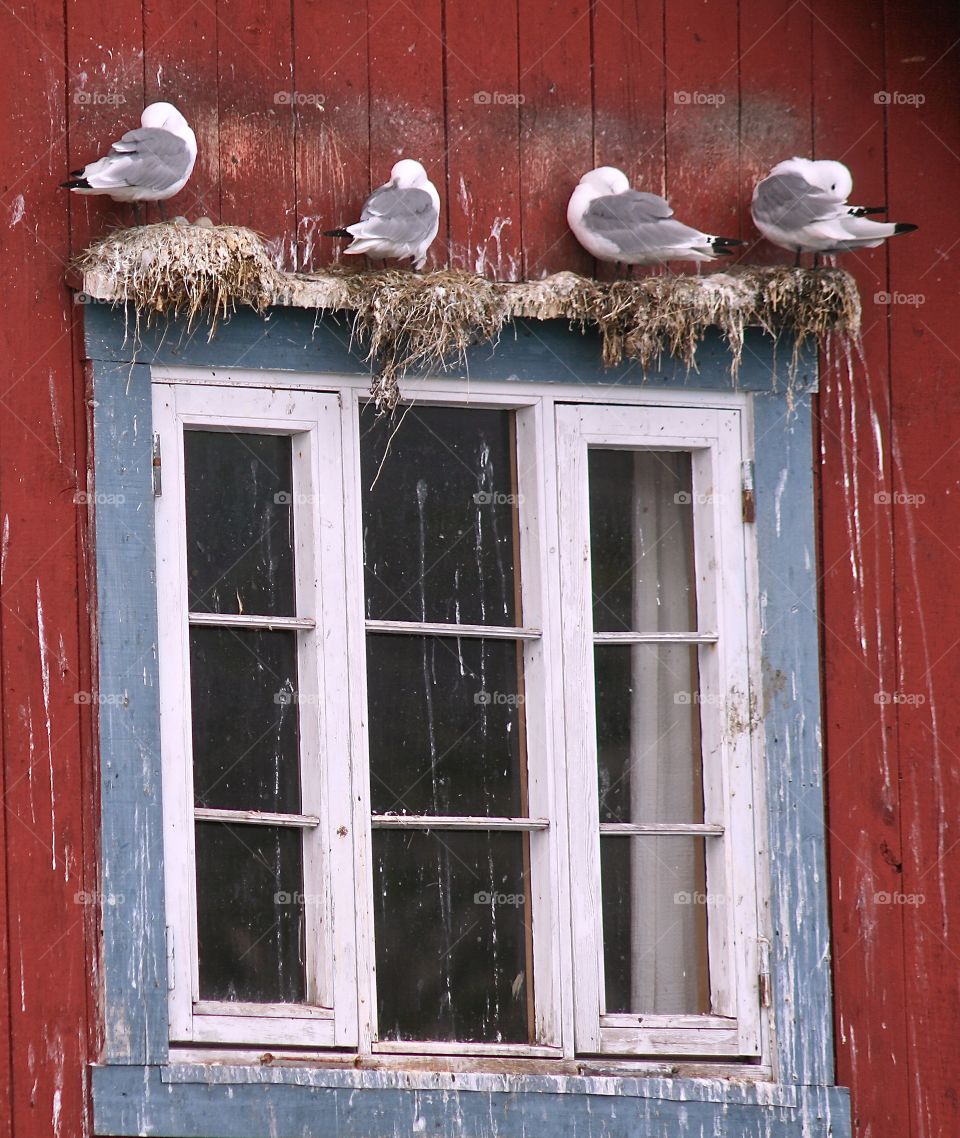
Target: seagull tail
x=864, y=210
x=337, y=233
x=903, y=227
x=723, y=245
x=76, y=181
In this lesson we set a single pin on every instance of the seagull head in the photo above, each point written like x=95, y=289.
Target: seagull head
x=834, y=179
x=606, y=180
x=407, y=173
x=164, y=116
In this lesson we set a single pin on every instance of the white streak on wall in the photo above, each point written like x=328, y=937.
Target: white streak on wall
x=45, y=672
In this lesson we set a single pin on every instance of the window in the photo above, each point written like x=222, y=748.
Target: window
x=456, y=721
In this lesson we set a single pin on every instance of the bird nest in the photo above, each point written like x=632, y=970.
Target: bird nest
x=413, y=322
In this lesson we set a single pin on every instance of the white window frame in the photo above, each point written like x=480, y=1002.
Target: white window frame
x=570, y=1019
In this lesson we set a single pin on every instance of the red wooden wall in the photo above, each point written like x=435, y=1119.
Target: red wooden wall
x=299, y=109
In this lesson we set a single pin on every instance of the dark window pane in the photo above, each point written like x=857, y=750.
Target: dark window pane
x=648, y=733
x=245, y=730
x=641, y=541
x=439, y=515
x=655, y=925
x=250, y=913
x=239, y=523
x=445, y=721
x=451, y=912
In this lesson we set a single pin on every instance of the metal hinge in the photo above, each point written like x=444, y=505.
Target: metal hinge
x=171, y=961
x=748, y=492
x=157, y=478
x=763, y=976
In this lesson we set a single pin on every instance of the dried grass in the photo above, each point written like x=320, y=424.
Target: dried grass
x=409, y=321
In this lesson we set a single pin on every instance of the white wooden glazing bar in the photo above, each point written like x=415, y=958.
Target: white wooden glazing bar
x=229, y=620
x=256, y=818
x=655, y=638
x=666, y=829
x=442, y=822
x=487, y=631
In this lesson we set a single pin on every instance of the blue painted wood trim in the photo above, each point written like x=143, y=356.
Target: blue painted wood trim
x=790, y=707
x=126, y=1102
x=134, y=1092
x=133, y=963
x=296, y=339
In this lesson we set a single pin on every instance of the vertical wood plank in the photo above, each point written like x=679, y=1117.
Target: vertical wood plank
x=629, y=78
x=857, y=520
x=180, y=67
x=483, y=124
x=333, y=130
x=43, y=1011
x=776, y=112
x=556, y=130
x=255, y=69
x=923, y=144
x=104, y=100
x=703, y=153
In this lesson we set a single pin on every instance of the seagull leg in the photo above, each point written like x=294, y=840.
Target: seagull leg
x=163, y=212
x=796, y=260
x=136, y=214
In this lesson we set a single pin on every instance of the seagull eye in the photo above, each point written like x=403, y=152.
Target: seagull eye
x=834, y=186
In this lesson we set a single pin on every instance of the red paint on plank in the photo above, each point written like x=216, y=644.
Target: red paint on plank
x=556, y=130
x=860, y=655
x=483, y=127
x=775, y=105
x=923, y=141
x=255, y=45
x=628, y=95
x=407, y=91
x=332, y=119
x=180, y=51
x=703, y=151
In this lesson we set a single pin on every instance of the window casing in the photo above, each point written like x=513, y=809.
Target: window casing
x=557, y=826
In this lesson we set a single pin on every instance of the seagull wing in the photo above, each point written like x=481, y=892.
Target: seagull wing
x=398, y=216
x=638, y=223
x=146, y=158
x=790, y=202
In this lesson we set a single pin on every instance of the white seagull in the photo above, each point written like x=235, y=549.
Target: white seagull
x=615, y=223
x=801, y=205
x=400, y=219
x=150, y=164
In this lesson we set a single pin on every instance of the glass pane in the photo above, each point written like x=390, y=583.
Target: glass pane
x=239, y=523
x=245, y=731
x=445, y=720
x=451, y=935
x=648, y=733
x=641, y=541
x=655, y=925
x=250, y=913
x=439, y=514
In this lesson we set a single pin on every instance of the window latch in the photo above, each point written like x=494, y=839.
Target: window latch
x=156, y=475
x=748, y=492
x=763, y=975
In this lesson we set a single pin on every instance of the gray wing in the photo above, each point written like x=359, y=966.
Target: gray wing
x=152, y=159
x=401, y=216
x=789, y=202
x=636, y=222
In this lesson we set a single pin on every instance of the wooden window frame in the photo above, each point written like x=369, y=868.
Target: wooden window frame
x=569, y=1015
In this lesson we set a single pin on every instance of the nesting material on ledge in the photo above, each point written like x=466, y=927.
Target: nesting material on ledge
x=411, y=320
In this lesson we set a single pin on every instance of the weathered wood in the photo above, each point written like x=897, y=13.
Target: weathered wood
x=556, y=130
x=859, y=640
x=923, y=140
x=483, y=124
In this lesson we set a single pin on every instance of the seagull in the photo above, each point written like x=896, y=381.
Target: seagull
x=615, y=223
x=150, y=164
x=400, y=219
x=802, y=205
